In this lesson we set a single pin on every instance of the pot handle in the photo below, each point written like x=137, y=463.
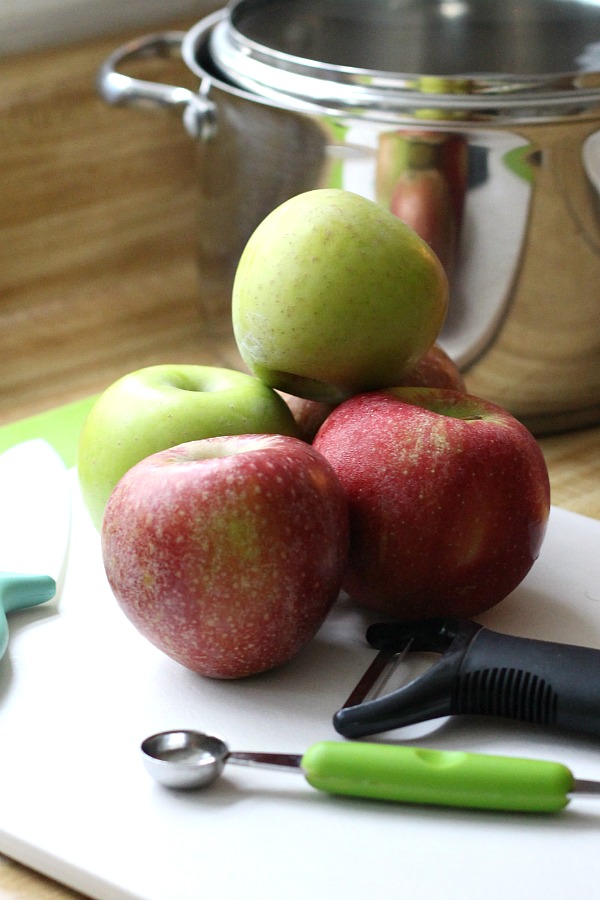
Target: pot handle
x=123, y=90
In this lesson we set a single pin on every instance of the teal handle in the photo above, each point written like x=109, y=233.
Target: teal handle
x=19, y=591
x=440, y=777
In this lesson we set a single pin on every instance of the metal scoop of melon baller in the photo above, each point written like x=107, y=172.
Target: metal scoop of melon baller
x=186, y=760
x=190, y=759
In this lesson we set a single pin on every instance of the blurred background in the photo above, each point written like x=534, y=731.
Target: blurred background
x=99, y=218
x=97, y=206
x=35, y=24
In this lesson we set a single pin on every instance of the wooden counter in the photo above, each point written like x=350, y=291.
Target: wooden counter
x=97, y=270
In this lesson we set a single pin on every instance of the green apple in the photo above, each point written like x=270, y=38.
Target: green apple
x=158, y=407
x=334, y=295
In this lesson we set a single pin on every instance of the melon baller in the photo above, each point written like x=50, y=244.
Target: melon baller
x=185, y=760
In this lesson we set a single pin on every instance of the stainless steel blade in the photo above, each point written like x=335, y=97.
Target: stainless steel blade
x=378, y=674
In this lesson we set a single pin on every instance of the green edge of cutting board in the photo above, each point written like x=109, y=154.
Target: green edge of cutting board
x=60, y=427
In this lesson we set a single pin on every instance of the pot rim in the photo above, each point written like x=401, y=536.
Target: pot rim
x=302, y=85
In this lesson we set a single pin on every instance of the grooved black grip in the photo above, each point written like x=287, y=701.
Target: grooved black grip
x=510, y=693
x=541, y=682
x=482, y=672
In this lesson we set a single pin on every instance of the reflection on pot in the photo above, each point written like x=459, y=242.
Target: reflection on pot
x=543, y=359
x=501, y=173
x=257, y=159
x=467, y=193
x=422, y=179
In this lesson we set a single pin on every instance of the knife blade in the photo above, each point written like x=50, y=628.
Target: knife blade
x=34, y=527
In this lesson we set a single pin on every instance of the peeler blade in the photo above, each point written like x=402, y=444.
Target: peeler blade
x=377, y=675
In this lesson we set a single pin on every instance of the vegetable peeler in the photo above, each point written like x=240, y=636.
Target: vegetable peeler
x=479, y=672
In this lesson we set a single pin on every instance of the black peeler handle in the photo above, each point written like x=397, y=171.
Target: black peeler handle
x=482, y=672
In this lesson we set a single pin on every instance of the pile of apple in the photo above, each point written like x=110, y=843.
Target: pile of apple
x=234, y=507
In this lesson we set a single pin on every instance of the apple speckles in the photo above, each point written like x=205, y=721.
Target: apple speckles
x=447, y=513
x=353, y=298
x=243, y=580
x=160, y=407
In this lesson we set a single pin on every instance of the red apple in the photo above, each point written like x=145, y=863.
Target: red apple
x=449, y=499
x=309, y=415
x=228, y=553
x=435, y=369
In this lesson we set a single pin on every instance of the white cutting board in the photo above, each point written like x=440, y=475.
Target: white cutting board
x=79, y=690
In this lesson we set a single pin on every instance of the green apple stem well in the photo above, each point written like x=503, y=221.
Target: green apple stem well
x=189, y=759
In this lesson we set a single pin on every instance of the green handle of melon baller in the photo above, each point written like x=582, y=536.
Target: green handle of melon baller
x=447, y=778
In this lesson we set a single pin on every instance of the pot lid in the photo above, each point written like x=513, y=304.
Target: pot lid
x=386, y=54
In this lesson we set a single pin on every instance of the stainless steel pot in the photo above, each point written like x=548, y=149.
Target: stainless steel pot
x=478, y=123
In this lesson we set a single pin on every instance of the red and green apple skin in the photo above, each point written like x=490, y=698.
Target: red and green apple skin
x=158, y=407
x=449, y=500
x=435, y=369
x=228, y=553
x=334, y=295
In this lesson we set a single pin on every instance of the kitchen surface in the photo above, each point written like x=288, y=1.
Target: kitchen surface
x=98, y=272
